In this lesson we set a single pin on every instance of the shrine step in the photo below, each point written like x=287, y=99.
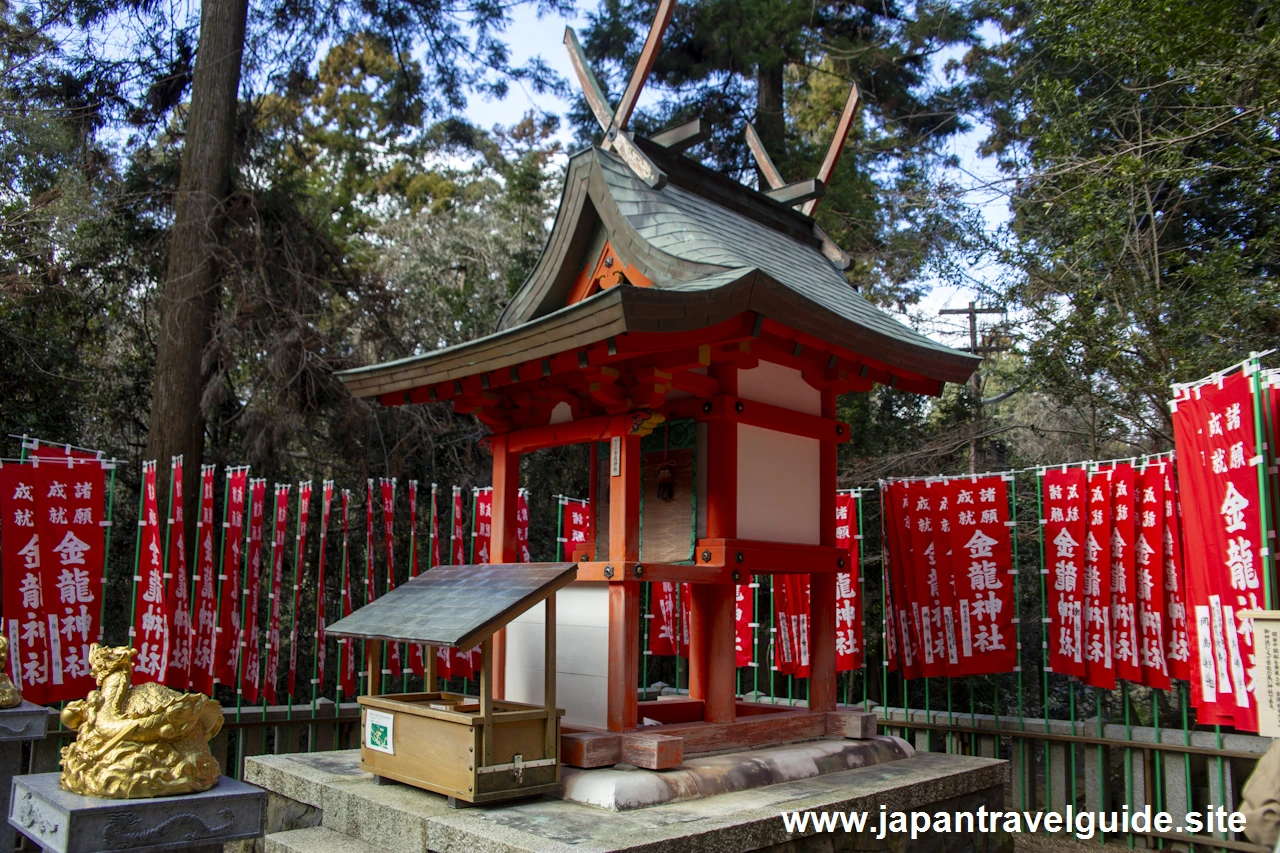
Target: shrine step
x=316, y=839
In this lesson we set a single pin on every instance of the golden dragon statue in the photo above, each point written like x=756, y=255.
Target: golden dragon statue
x=134, y=742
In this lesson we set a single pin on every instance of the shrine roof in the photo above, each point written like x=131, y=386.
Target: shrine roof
x=712, y=249
x=455, y=606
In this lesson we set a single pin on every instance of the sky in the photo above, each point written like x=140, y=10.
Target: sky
x=531, y=36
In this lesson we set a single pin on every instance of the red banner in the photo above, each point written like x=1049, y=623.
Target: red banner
x=326, y=507
x=347, y=663
x=742, y=615
x=1218, y=451
x=206, y=598
x=522, y=526
x=252, y=669
x=663, y=622
x=1149, y=579
x=1125, y=646
x=150, y=631
x=25, y=615
x=417, y=664
x=443, y=657
x=1178, y=651
x=791, y=606
x=982, y=561
x=888, y=574
x=575, y=528
x=72, y=525
x=849, y=651
x=482, y=529
x=369, y=593
x=1099, y=665
x=458, y=553
x=271, y=676
x=435, y=528
x=53, y=562
x=930, y=597
x=228, y=642
x=388, y=489
x=1064, y=535
x=178, y=596
x=898, y=542
x=299, y=568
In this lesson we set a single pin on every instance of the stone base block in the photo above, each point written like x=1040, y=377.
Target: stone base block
x=652, y=752
x=851, y=724
x=698, y=778
x=62, y=822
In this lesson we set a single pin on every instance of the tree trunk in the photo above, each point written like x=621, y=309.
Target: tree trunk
x=189, y=300
x=770, y=121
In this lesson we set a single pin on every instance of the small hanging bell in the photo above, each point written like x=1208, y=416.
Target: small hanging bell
x=667, y=481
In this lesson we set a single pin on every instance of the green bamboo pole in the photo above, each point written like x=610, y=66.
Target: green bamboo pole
x=1020, y=743
x=755, y=635
x=346, y=587
x=106, y=551
x=222, y=559
x=244, y=614
x=326, y=506
x=137, y=557
x=168, y=534
x=1264, y=491
x=1044, y=642
x=406, y=653
x=271, y=589
x=299, y=557
x=884, y=608
x=1128, y=755
x=862, y=599
x=560, y=543
x=431, y=559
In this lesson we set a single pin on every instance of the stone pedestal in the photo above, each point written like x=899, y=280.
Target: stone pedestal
x=62, y=822
x=27, y=721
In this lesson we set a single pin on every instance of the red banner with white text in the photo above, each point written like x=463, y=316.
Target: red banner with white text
x=251, y=669
x=228, y=643
x=1064, y=514
x=204, y=622
x=178, y=594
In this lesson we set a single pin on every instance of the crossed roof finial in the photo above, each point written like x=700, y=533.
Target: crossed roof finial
x=806, y=194
x=614, y=122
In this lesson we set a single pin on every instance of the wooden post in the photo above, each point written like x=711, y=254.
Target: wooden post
x=486, y=700
x=822, y=586
x=624, y=596
x=551, y=735
x=373, y=654
x=503, y=547
x=429, y=665
x=712, y=664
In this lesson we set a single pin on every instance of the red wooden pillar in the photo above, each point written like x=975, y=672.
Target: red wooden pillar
x=624, y=596
x=822, y=586
x=712, y=668
x=503, y=547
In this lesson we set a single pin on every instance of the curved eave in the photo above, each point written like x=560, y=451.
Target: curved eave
x=651, y=310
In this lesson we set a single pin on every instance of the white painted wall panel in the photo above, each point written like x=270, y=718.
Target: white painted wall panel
x=778, y=486
x=582, y=654
x=779, y=386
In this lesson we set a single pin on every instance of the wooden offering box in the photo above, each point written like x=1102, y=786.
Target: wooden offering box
x=472, y=749
x=437, y=738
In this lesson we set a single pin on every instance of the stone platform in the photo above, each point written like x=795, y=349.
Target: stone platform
x=323, y=803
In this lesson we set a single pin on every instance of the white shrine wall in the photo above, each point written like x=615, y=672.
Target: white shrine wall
x=582, y=654
x=778, y=473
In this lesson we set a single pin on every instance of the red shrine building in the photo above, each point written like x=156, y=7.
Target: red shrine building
x=696, y=332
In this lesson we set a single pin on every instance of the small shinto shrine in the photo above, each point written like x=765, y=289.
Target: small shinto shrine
x=696, y=333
